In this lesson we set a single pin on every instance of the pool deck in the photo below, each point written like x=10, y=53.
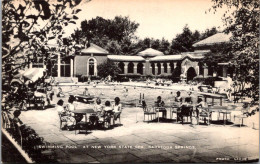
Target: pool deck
x=138, y=141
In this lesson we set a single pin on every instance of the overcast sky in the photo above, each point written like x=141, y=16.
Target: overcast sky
x=157, y=18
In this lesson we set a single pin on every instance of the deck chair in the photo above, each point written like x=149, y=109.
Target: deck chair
x=186, y=111
x=204, y=114
x=149, y=111
x=61, y=119
x=175, y=109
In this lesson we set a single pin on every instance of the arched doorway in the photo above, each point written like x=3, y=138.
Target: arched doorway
x=140, y=68
x=121, y=66
x=91, y=67
x=191, y=73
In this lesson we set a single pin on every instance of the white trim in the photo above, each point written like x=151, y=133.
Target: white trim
x=71, y=68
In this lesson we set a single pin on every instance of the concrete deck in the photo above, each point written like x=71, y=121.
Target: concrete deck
x=138, y=141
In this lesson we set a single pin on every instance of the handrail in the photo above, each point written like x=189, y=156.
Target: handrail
x=17, y=146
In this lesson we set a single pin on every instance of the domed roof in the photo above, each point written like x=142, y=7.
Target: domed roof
x=149, y=52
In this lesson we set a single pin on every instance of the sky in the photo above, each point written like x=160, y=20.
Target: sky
x=157, y=18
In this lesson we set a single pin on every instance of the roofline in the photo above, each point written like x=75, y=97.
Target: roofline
x=208, y=44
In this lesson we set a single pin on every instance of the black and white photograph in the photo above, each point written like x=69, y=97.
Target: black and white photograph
x=130, y=81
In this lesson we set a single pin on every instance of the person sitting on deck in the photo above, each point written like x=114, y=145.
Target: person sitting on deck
x=183, y=109
x=189, y=97
x=200, y=109
x=86, y=93
x=65, y=115
x=160, y=103
x=60, y=93
x=70, y=107
x=178, y=98
x=16, y=118
x=117, y=108
x=98, y=107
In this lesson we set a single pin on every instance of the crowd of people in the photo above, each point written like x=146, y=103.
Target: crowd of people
x=183, y=102
x=104, y=114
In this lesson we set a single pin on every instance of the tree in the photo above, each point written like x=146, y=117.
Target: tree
x=106, y=33
x=184, y=41
x=243, y=23
x=219, y=53
x=164, y=46
x=208, y=32
x=27, y=26
x=108, y=68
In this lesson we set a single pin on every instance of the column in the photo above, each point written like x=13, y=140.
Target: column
x=174, y=65
x=198, y=70
x=205, y=70
x=144, y=73
x=168, y=68
x=224, y=71
x=147, y=67
x=135, y=68
x=126, y=68
x=155, y=69
x=58, y=65
x=162, y=68
x=71, y=67
x=95, y=68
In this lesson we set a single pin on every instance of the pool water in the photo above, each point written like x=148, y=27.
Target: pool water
x=129, y=98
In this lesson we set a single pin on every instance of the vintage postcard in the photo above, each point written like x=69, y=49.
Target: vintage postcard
x=130, y=81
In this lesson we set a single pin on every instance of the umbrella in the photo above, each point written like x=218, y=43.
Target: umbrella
x=34, y=74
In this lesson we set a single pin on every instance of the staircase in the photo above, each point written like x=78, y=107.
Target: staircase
x=66, y=79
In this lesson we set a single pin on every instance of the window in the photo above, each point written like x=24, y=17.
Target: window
x=65, y=68
x=38, y=63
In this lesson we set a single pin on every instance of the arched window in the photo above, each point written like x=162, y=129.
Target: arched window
x=130, y=67
x=159, y=68
x=140, y=68
x=165, y=68
x=153, y=68
x=121, y=66
x=92, y=67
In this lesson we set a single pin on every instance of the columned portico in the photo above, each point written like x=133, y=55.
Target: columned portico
x=152, y=62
